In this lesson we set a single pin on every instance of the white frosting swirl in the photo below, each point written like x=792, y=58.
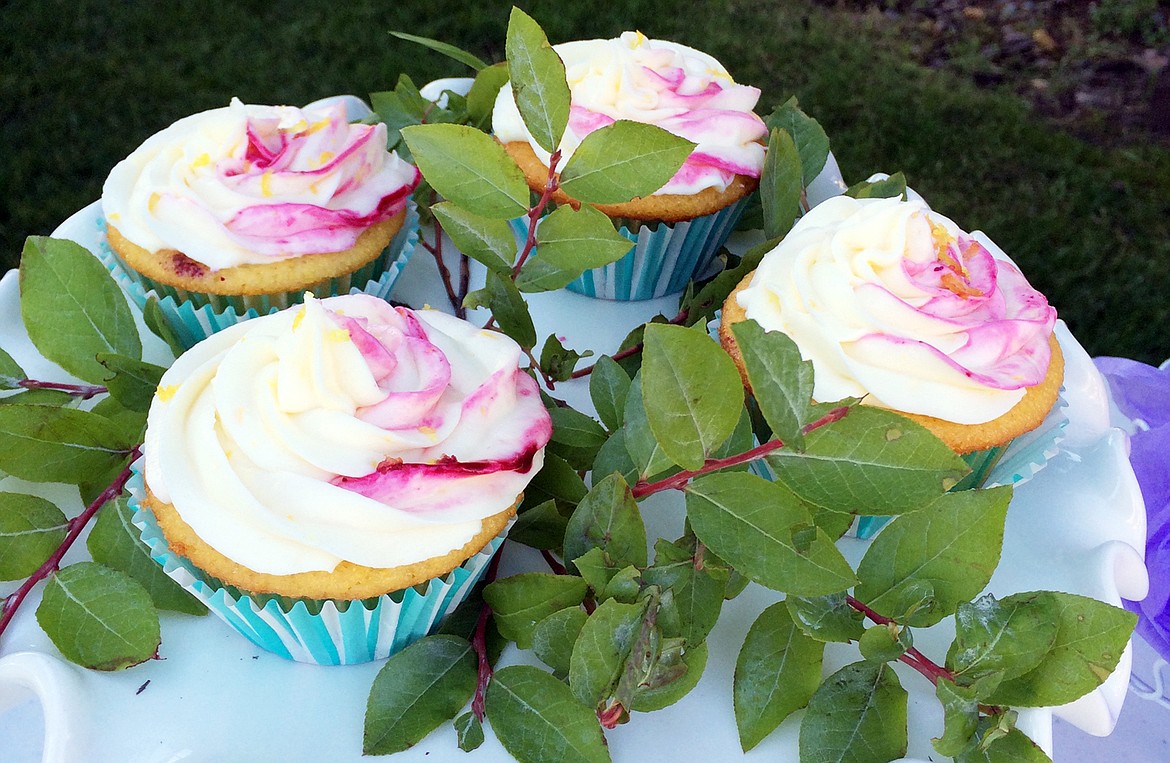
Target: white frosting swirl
x=344, y=429
x=891, y=300
x=679, y=89
x=257, y=184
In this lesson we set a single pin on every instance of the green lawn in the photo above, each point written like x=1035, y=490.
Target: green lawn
x=84, y=83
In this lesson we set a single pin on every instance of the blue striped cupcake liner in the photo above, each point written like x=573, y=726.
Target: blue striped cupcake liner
x=196, y=315
x=321, y=632
x=663, y=259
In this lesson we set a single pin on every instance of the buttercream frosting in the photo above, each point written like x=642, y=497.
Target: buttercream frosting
x=344, y=429
x=892, y=301
x=252, y=184
x=677, y=88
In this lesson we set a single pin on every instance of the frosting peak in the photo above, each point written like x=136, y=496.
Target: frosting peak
x=256, y=184
x=344, y=429
x=679, y=89
x=891, y=300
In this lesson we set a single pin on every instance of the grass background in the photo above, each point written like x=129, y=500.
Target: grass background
x=83, y=83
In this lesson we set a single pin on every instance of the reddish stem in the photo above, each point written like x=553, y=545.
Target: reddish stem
x=911, y=656
x=549, y=382
x=550, y=186
x=479, y=644
x=83, y=391
x=436, y=250
x=677, y=481
x=553, y=564
x=76, y=525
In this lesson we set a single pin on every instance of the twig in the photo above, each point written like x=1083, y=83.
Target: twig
x=550, y=186
x=677, y=481
x=633, y=349
x=76, y=525
x=479, y=644
x=83, y=391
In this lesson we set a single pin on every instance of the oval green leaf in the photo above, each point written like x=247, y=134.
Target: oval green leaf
x=11, y=374
x=418, y=689
x=609, y=385
x=623, y=161
x=858, y=715
x=608, y=519
x=576, y=240
x=133, y=383
x=776, y=673
x=468, y=167
x=697, y=393
x=538, y=81
x=554, y=636
x=114, y=541
x=45, y=444
x=31, y=528
x=601, y=650
x=99, y=618
x=72, y=307
x=537, y=719
x=781, y=185
x=751, y=523
x=521, y=601
x=488, y=241
x=952, y=546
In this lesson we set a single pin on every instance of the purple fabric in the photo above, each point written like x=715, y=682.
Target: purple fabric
x=1142, y=393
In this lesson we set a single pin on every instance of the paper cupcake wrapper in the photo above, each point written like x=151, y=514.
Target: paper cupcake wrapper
x=321, y=632
x=196, y=315
x=664, y=258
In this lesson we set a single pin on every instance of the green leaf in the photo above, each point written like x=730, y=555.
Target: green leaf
x=609, y=386
x=595, y=570
x=576, y=437
x=31, y=529
x=1090, y=638
x=114, y=541
x=488, y=241
x=538, y=80
x=131, y=425
x=600, y=652
x=649, y=698
x=537, y=719
x=692, y=592
x=625, y=585
x=781, y=184
x=614, y=458
x=884, y=643
x=776, y=673
x=508, y=308
x=417, y=690
x=894, y=185
x=469, y=732
x=701, y=306
x=622, y=161
x=826, y=618
x=1002, y=746
x=134, y=381
x=521, y=601
x=608, y=519
x=458, y=54
x=99, y=618
x=1009, y=637
x=557, y=480
x=953, y=545
x=857, y=715
x=401, y=107
x=158, y=324
x=554, y=636
x=559, y=362
x=72, y=308
x=45, y=444
x=960, y=717
x=812, y=144
x=470, y=168
x=481, y=98
x=753, y=524
x=542, y=526
x=782, y=383
x=872, y=462
x=697, y=393
x=11, y=374
x=576, y=240
x=644, y=450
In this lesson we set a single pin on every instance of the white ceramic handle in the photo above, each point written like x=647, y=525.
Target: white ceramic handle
x=58, y=687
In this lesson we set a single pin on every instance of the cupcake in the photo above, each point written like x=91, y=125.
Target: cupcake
x=245, y=208
x=894, y=304
x=679, y=228
x=343, y=458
